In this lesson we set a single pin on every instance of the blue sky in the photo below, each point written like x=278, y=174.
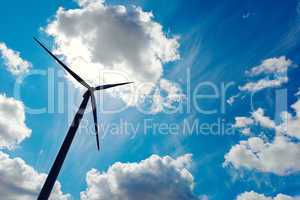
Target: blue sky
x=219, y=41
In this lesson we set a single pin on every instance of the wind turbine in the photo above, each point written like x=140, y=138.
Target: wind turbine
x=56, y=167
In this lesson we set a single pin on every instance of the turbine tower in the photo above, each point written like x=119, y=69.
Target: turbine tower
x=56, y=167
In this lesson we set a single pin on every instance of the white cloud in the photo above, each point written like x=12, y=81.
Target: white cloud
x=279, y=157
x=264, y=121
x=14, y=63
x=271, y=65
x=165, y=96
x=174, y=93
x=87, y=2
x=255, y=196
x=274, y=71
x=246, y=131
x=263, y=84
x=242, y=122
x=20, y=181
x=257, y=117
x=122, y=43
x=157, y=177
x=232, y=99
x=298, y=93
x=13, y=129
x=291, y=123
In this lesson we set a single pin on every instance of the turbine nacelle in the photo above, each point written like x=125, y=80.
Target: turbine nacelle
x=90, y=90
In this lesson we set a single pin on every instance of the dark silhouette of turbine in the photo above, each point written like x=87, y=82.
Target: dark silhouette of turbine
x=56, y=167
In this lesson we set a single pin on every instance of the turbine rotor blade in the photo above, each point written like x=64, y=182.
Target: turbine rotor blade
x=80, y=80
x=93, y=100
x=103, y=87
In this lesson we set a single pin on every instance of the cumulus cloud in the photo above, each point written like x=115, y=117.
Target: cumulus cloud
x=279, y=157
x=255, y=196
x=166, y=96
x=257, y=117
x=19, y=181
x=105, y=43
x=13, y=129
x=264, y=121
x=157, y=177
x=291, y=123
x=173, y=91
x=13, y=61
x=274, y=72
x=242, y=122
